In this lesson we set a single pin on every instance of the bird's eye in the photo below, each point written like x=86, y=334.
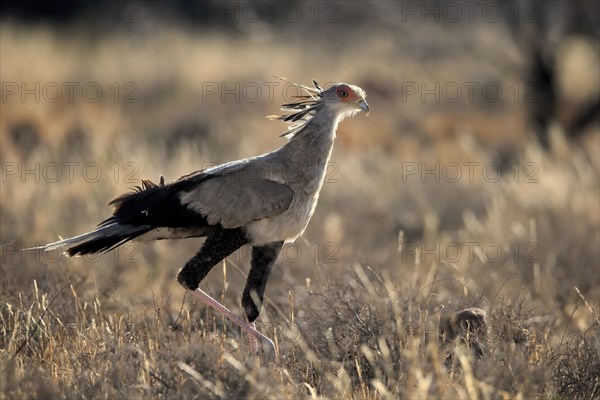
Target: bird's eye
x=343, y=94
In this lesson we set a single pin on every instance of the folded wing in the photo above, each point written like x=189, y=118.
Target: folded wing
x=233, y=202
x=225, y=196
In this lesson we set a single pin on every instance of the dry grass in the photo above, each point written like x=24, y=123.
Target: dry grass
x=355, y=313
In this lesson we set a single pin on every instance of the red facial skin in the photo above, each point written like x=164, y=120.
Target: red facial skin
x=350, y=97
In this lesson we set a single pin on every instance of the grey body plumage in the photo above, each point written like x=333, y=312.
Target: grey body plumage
x=262, y=201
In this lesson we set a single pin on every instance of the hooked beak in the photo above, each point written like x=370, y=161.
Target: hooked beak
x=363, y=105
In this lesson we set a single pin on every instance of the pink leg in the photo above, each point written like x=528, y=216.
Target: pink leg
x=253, y=341
x=249, y=328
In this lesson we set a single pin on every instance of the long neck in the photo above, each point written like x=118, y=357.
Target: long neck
x=312, y=145
x=307, y=153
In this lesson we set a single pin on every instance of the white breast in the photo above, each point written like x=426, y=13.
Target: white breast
x=287, y=226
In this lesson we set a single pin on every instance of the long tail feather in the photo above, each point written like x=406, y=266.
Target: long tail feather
x=105, y=238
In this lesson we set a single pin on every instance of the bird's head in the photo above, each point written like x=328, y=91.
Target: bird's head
x=345, y=100
x=340, y=100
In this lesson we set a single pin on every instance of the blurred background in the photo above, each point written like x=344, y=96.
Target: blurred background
x=474, y=178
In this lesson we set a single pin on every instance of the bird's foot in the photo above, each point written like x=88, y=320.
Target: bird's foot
x=253, y=334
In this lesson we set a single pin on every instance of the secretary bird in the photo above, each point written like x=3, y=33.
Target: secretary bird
x=262, y=201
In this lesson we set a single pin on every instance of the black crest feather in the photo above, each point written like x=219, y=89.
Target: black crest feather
x=302, y=110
